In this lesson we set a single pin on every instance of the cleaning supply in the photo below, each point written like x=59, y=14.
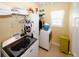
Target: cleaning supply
x=64, y=44
x=46, y=26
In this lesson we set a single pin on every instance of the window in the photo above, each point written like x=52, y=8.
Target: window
x=57, y=18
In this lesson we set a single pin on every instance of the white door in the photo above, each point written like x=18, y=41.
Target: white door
x=75, y=37
x=74, y=28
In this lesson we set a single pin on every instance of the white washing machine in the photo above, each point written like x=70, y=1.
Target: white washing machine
x=45, y=39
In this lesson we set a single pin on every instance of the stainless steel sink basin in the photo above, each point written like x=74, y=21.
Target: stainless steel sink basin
x=18, y=47
x=25, y=41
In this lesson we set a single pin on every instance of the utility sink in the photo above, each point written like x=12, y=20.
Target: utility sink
x=20, y=46
x=25, y=41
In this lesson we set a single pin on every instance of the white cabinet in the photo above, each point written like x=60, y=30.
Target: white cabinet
x=32, y=51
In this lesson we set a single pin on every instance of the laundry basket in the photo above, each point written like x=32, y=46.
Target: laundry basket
x=64, y=44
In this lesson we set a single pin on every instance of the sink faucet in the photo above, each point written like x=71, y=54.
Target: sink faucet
x=17, y=35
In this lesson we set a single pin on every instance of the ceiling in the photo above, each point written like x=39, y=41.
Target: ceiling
x=43, y=3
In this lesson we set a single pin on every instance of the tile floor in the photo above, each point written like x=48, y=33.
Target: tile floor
x=53, y=52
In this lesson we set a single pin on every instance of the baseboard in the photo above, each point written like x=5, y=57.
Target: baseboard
x=43, y=48
x=74, y=54
x=56, y=44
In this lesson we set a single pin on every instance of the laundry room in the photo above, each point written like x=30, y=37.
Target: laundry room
x=39, y=29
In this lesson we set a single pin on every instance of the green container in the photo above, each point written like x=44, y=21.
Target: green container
x=64, y=44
